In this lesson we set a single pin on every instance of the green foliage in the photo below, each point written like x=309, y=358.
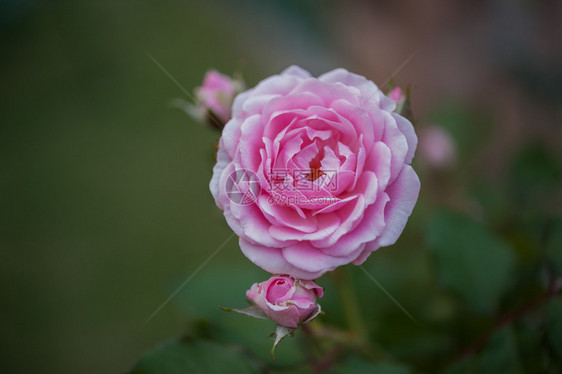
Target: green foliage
x=554, y=326
x=357, y=365
x=498, y=356
x=479, y=288
x=535, y=176
x=554, y=246
x=472, y=261
x=195, y=356
x=468, y=127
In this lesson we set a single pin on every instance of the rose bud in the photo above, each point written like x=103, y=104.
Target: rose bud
x=215, y=97
x=400, y=97
x=437, y=147
x=397, y=95
x=286, y=300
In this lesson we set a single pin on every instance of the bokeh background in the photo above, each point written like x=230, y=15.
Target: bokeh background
x=104, y=200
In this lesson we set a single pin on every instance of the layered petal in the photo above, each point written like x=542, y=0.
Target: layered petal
x=332, y=162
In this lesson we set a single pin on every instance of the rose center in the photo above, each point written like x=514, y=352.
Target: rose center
x=315, y=166
x=278, y=290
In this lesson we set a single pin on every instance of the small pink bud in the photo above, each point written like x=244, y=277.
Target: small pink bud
x=437, y=147
x=215, y=97
x=286, y=300
x=397, y=95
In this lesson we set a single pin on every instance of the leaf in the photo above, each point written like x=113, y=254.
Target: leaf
x=534, y=356
x=357, y=365
x=535, y=178
x=554, y=326
x=195, y=356
x=465, y=366
x=252, y=311
x=554, y=246
x=500, y=354
x=471, y=260
x=252, y=334
x=280, y=333
x=209, y=289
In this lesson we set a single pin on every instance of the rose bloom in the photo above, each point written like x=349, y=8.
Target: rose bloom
x=286, y=300
x=216, y=94
x=332, y=161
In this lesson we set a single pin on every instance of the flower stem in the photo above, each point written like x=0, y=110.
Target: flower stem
x=348, y=298
x=312, y=346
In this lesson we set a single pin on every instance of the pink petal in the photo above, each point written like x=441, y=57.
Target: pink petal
x=310, y=259
x=407, y=129
x=272, y=260
x=378, y=162
x=296, y=71
x=403, y=195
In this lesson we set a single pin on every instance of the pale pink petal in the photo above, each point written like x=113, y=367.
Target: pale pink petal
x=296, y=71
x=272, y=260
x=403, y=195
x=351, y=244
x=379, y=163
x=407, y=129
x=310, y=259
x=398, y=145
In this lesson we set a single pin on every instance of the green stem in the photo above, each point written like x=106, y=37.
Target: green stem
x=313, y=349
x=350, y=303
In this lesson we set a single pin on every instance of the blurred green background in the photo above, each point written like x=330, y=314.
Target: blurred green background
x=104, y=201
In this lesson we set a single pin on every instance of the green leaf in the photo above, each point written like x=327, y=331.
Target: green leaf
x=554, y=246
x=534, y=356
x=500, y=354
x=535, y=178
x=554, y=326
x=465, y=366
x=357, y=365
x=252, y=311
x=195, y=356
x=209, y=290
x=471, y=260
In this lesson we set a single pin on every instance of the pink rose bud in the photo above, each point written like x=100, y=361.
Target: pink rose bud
x=215, y=97
x=437, y=147
x=397, y=95
x=286, y=300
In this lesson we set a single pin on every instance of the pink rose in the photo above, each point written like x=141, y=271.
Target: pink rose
x=286, y=300
x=331, y=160
x=216, y=95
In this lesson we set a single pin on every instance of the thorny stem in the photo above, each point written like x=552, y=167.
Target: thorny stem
x=554, y=289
